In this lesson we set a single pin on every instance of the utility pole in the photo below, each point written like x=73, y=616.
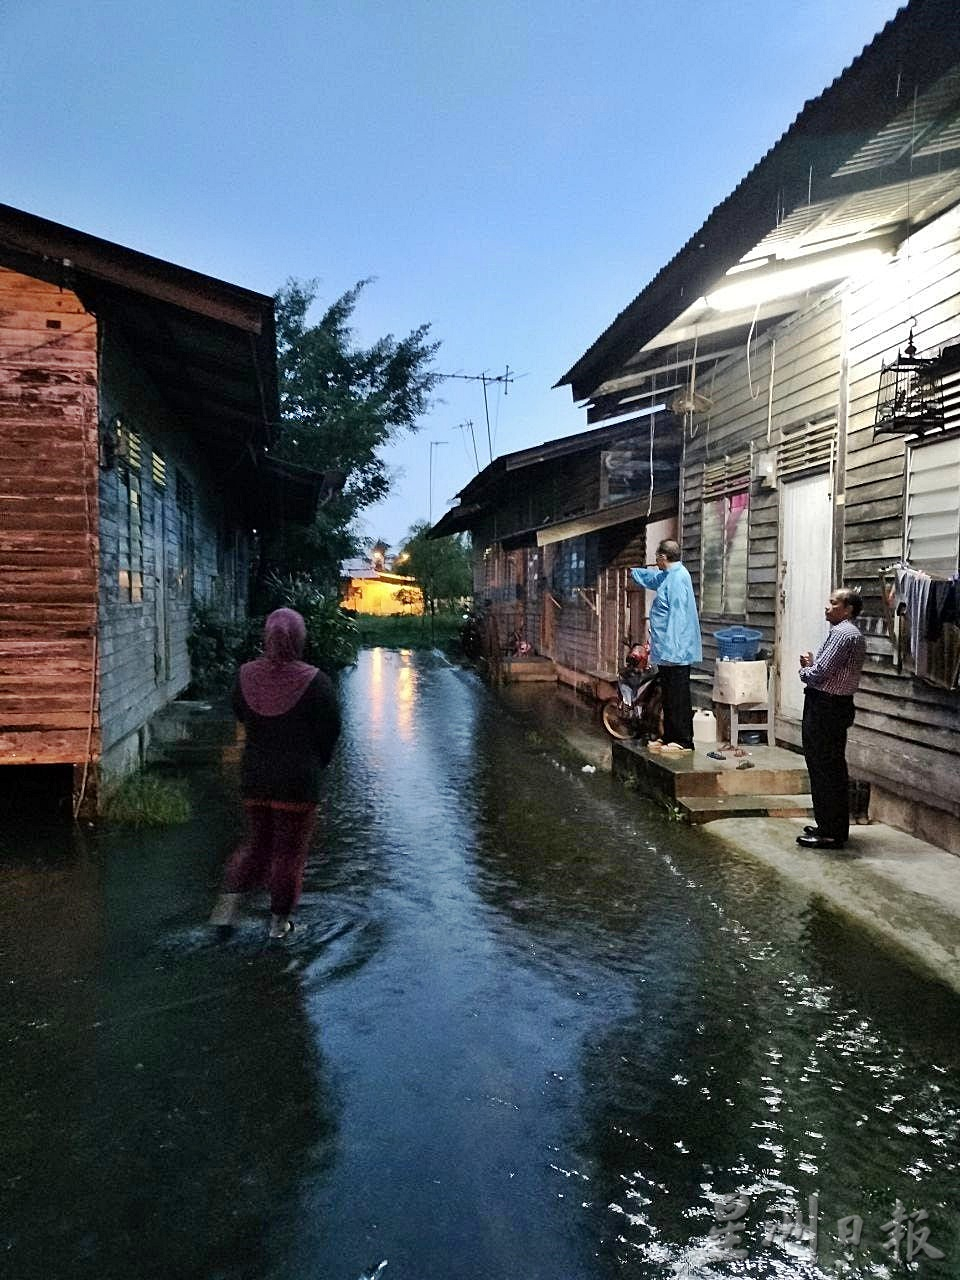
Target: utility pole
x=433, y=445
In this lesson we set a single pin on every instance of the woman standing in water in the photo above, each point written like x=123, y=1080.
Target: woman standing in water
x=292, y=721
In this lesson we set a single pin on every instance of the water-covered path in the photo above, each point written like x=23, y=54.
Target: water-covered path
x=526, y=1028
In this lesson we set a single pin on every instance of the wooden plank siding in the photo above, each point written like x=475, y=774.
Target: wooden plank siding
x=48, y=524
x=521, y=583
x=191, y=531
x=747, y=413
x=905, y=739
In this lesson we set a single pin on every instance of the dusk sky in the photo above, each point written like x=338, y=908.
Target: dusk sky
x=512, y=174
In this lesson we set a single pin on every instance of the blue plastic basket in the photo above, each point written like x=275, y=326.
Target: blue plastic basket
x=738, y=643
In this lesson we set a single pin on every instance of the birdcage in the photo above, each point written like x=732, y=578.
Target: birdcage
x=910, y=395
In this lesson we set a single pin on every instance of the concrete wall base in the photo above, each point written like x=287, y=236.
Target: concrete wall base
x=916, y=819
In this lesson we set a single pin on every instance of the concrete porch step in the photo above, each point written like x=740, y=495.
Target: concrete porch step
x=531, y=667
x=700, y=809
x=192, y=733
x=773, y=771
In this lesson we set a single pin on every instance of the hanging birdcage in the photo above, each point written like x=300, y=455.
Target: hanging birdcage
x=910, y=397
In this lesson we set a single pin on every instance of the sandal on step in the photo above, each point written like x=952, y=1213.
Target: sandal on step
x=716, y=755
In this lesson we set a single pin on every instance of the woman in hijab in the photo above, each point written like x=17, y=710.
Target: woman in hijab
x=292, y=723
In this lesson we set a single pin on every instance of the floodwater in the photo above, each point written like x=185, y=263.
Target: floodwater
x=527, y=1029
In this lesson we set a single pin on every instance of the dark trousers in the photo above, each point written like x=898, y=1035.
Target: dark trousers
x=273, y=853
x=826, y=719
x=677, y=708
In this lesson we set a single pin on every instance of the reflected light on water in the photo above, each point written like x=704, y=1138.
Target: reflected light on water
x=375, y=684
x=405, y=694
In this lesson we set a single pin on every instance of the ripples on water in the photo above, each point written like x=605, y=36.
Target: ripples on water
x=526, y=1027
x=754, y=1046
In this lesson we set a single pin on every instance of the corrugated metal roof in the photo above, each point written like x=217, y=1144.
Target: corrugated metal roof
x=917, y=47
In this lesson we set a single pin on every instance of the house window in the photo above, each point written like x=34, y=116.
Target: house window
x=185, y=532
x=724, y=537
x=570, y=565
x=932, y=524
x=130, y=516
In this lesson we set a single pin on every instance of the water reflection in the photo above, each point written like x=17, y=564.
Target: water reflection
x=162, y=1099
x=526, y=1027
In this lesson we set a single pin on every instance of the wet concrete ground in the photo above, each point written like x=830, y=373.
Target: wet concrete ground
x=527, y=1027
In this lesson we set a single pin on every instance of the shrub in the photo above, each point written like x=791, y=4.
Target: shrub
x=217, y=645
x=332, y=636
x=146, y=800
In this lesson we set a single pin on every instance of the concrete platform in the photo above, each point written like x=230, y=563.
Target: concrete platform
x=532, y=667
x=903, y=889
x=703, y=790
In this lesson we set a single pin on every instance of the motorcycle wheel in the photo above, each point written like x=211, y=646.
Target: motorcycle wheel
x=615, y=723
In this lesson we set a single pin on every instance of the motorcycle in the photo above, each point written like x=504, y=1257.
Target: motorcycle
x=635, y=710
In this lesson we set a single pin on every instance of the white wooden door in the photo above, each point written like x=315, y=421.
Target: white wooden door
x=806, y=550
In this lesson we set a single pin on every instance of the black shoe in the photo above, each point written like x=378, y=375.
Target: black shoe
x=811, y=831
x=820, y=842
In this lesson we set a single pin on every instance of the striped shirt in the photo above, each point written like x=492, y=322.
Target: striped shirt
x=839, y=661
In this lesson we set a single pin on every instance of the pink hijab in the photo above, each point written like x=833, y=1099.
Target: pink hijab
x=276, y=682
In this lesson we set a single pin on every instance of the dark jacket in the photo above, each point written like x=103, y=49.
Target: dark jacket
x=284, y=756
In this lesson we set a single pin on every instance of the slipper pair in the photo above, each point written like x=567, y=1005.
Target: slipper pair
x=674, y=748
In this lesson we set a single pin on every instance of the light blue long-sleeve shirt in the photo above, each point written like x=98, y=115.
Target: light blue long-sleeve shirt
x=674, y=625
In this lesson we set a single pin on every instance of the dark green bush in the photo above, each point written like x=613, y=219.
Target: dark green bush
x=332, y=637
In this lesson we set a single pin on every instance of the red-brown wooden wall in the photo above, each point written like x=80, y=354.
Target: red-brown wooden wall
x=48, y=524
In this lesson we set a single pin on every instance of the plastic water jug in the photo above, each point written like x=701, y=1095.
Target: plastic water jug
x=704, y=727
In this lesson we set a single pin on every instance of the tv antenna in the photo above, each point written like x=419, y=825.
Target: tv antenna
x=486, y=379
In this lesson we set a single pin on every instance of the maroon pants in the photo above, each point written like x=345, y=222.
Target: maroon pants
x=273, y=853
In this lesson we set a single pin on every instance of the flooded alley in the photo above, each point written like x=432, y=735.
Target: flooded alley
x=527, y=1027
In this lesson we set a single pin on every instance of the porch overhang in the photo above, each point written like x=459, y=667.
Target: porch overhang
x=641, y=509
x=859, y=170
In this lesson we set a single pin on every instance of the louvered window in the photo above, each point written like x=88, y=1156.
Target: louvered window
x=807, y=448
x=129, y=515
x=932, y=533
x=724, y=536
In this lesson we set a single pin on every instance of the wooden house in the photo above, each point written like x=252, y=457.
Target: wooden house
x=767, y=335
x=555, y=530
x=368, y=585
x=136, y=403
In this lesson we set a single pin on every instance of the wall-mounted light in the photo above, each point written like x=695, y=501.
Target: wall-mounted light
x=797, y=275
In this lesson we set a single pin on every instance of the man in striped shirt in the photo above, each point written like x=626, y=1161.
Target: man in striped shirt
x=831, y=679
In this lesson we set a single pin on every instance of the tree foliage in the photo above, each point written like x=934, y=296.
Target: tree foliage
x=341, y=403
x=441, y=566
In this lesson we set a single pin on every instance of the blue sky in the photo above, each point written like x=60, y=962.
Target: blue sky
x=512, y=174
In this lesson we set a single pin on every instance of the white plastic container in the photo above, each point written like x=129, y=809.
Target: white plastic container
x=704, y=728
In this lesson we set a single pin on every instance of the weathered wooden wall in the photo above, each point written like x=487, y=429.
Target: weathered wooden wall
x=907, y=734
x=193, y=548
x=520, y=582
x=48, y=524
x=806, y=387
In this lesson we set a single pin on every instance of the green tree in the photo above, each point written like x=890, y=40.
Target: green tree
x=341, y=404
x=441, y=567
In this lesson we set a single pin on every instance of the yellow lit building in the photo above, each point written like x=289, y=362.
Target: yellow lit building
x=367, y=586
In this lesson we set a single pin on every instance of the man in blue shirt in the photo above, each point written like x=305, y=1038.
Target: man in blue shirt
x=674, y=642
